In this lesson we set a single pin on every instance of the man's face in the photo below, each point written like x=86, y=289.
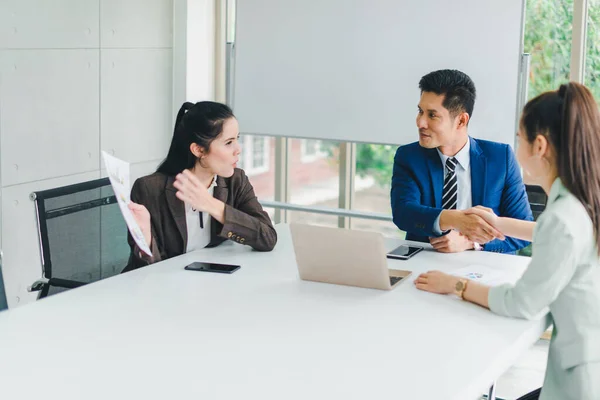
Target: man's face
x=436, y=125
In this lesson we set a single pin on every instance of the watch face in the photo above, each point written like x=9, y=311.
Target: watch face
x=459, y=286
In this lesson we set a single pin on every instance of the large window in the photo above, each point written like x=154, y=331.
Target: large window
x=256, y=154
x=314, y=178
x=548, y=28
x=311, y=150
x=592, y=58
x=260, y=154
x=374, y=166
x=313, y=219
x=257, y=161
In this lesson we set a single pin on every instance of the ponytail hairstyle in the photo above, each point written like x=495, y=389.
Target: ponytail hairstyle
x=199, y=123
x=570, y=120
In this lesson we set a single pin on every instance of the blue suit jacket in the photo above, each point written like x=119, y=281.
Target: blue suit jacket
x=496, y=183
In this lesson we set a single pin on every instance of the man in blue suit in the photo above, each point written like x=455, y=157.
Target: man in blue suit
x=447, y=171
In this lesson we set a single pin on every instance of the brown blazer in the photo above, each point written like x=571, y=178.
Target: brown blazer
x=245, y=220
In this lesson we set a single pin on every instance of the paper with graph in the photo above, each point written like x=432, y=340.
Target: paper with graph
x=483, y=274
x=118, y=173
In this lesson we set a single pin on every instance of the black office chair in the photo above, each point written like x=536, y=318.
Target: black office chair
x=3, y=303
x=537, y=199
x=82, y=234
x=535, y=395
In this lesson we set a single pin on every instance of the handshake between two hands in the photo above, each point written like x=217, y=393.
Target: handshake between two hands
x=467, y=227
x=475, y=225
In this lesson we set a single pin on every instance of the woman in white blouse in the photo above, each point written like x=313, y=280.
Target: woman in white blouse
x=559, y=149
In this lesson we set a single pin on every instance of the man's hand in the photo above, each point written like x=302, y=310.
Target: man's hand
x=470, y=225
x=475, y=228
x=453, y=242
x=486, y=213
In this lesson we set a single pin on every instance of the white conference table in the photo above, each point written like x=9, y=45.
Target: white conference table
x=162, y=332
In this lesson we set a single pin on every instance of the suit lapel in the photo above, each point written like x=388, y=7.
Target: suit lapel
x=478, y=174
x=436, y=173
x=177, y=209
x=220, y=192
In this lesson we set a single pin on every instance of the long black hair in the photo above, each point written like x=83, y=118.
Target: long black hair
x=199, y=123
x=570, y=120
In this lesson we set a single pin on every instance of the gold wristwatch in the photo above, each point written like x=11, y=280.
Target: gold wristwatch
x=460, y=287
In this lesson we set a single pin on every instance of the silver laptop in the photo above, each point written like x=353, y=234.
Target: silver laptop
x=344, y=257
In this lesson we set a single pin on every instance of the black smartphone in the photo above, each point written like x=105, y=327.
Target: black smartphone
x=212, y=267
x=404, y=252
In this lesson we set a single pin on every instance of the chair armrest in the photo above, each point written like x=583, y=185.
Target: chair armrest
x=37, y=285
x=65, y=283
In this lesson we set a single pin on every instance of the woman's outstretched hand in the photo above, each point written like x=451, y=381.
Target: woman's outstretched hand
x=191, y=191
x=436, y=282
x=486, y=213
x=142, y=217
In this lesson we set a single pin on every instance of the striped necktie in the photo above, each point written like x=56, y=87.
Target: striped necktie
x=450, y=192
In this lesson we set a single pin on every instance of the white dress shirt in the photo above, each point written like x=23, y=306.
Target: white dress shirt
x=463, y=180
x=198, y=238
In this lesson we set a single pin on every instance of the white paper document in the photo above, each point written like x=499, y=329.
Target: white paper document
x=484, y=275
x=118, y=173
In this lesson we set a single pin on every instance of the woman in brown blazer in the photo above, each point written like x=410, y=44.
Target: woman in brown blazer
x=197, y=197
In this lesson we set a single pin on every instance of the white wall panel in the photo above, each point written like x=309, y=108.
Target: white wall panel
x=0, y=218
x=200, y=50
x=49, y=24
x=54, y=78
x=138, y=170
x=136, y=93
x=50, y=114
x=143, y=169
x=21, y=264
x=136, y=23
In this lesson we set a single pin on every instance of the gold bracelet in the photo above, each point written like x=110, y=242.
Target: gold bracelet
x=462, y=294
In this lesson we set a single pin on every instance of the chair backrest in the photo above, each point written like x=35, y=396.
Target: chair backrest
x=83, y=236
x=3, y=304
x=537, y=199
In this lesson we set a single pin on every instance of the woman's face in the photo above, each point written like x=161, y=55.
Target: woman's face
x=224, y=150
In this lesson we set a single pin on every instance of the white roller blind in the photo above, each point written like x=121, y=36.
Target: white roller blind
x=349, y=70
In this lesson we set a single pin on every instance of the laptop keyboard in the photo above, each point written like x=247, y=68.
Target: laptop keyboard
x=394, y=280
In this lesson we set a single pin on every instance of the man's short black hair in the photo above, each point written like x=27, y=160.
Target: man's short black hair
x=456, y=86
